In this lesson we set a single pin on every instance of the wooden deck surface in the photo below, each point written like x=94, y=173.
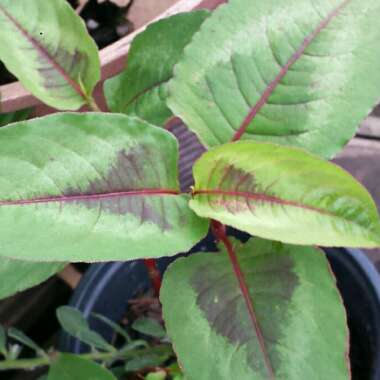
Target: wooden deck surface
x=361, y=158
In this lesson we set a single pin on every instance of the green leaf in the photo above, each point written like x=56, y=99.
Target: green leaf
x=118, y=372
x=135, y=344
x=73, y=322
x=47, y=47
x=297, y=329
x=114, y=326
x=12, y=117
x=179, y=377
x=20, y=337
x=99, y=187
x=141, y=88
x=149, y=326
x=71, y=367
x=146, y=361
x=3, y=341
x=297, y=73
x=160, y=375
x=14, y=351
x=17, y=275
x=174, y=370
x=284, y=194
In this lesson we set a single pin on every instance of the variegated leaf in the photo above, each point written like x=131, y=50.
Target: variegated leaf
x=287, y=324
x=92, y=187
x=284, y=194
x=47, y=47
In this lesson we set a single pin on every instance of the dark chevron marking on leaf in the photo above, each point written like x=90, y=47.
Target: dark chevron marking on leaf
x=121, y=192
x=243, y=192
x=220, y=232
x=284, y=70
x=76, y=63
x=98, y=188
x=220, y=298
x=255, y=197
x=51, y=58
x=292, y=290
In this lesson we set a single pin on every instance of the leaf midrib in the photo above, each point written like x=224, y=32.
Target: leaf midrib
x=260, y=197
x=145, y=91
x=42, y=50
x=90, y=197
x=220, y=232
x=284, y=70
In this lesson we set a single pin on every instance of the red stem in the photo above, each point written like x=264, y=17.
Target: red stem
x=259, y=197
x=154, y=274
x=219, y=230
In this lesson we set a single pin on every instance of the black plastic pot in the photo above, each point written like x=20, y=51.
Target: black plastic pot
x=106, y=289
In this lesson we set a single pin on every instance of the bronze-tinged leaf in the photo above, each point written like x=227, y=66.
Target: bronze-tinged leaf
x=284, y=194
x=99, y=187
x=47, y=47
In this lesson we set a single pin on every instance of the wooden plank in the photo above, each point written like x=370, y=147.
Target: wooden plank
x=361, y=158
x=371, y=126
x=142, y=11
